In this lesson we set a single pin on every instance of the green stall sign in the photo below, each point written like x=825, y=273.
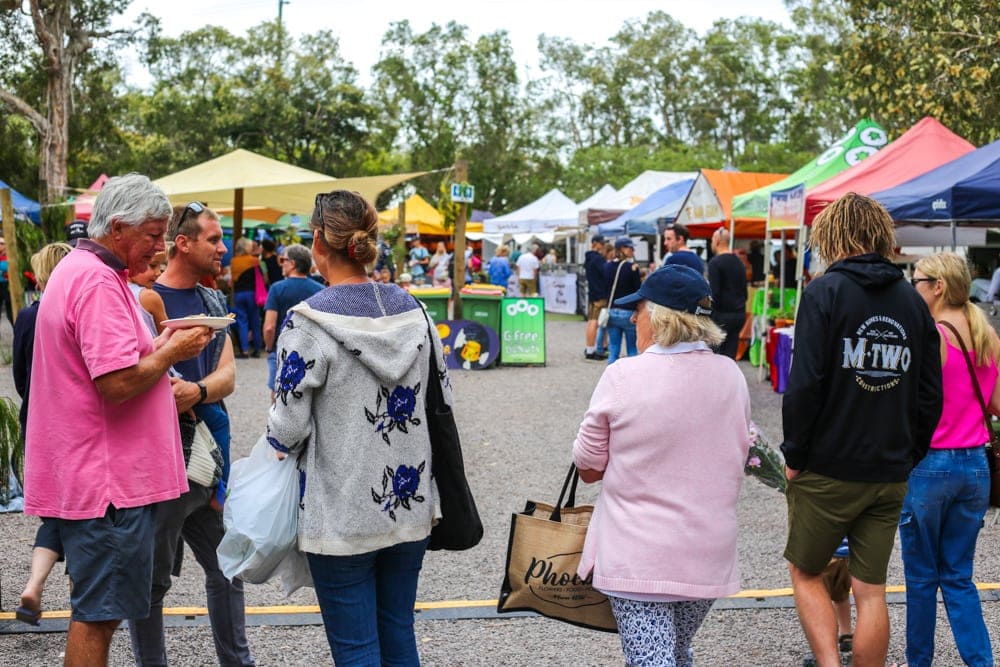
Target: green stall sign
x=522, y=327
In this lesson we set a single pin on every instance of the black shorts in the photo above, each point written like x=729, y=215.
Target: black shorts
x=110, y=562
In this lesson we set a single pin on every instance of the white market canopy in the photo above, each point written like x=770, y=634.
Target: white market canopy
x=597, y=200
x=553, y=211
x=630, y=195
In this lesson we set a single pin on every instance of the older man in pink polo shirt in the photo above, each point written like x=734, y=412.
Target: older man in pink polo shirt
x=102, y=438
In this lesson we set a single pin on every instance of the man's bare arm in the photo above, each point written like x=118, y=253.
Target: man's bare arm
x=171, y=347
x=219, y=383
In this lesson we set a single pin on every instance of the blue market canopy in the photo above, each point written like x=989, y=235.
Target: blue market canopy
x=29, y=208
x=664, y=204
x=967, y=189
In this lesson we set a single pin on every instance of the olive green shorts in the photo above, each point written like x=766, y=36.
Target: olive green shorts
x=822, y=510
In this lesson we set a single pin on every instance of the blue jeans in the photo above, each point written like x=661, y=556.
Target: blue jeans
x=943, y=511
x=367, y=603
x=620, y=322
x=247, y=320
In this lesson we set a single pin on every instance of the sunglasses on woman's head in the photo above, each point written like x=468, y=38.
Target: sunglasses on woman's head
x=914, y=281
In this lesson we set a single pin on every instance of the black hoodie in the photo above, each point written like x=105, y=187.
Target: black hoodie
x=864, y=392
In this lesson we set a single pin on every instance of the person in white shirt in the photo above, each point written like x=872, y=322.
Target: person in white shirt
x=527, y=274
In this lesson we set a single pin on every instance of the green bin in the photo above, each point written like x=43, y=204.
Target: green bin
x=435, y=302
x=484, y=309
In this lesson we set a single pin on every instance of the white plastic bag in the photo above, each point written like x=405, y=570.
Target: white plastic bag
x=294, y=572
x=260, y=515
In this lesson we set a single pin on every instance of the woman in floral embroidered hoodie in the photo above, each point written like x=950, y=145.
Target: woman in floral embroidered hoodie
x=353, y=372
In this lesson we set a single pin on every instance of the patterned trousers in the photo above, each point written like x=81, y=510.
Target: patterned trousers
x=658, y=634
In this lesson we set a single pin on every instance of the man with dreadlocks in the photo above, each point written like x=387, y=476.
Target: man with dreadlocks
x=863, y=399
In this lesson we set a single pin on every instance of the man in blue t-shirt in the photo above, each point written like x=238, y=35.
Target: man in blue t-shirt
x=420, y=259
x=295, y=287
x=202, y=384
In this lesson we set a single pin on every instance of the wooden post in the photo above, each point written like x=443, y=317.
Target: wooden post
x=461, y=175
x=237, y=215
x=14, y=282
x=399, y=253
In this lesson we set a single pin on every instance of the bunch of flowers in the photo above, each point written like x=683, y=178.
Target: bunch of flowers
x=765, y=463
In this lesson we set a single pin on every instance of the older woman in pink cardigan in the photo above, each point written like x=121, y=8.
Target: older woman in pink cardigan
x=668, y=431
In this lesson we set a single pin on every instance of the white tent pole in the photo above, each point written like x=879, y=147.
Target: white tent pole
x=781, y=274
x=954, y=235
x=762, y=331
x=800, y=266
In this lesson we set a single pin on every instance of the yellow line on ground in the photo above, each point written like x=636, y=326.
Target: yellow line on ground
x=442, y=604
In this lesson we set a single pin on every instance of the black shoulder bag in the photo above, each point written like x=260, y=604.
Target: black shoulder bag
x=460, y=527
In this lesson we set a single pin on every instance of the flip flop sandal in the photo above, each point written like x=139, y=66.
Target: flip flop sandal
x=27, y=615
x=845, y=643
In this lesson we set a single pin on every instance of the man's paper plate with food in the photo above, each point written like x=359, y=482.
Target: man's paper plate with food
x=199, y=321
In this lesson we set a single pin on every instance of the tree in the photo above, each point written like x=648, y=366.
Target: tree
x=741, y=98
x=443, y=97
x=926, y=58
x=66, y=32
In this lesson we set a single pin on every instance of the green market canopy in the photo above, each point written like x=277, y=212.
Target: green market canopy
x=863, y=140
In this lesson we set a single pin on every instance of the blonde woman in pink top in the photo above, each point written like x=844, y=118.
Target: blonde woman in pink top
x=668, y=431
x=948, y=492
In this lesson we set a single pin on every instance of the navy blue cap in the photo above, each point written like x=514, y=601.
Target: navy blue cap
x=597, y=238
x=674, y=286
x=624, y=242
x=76, y=230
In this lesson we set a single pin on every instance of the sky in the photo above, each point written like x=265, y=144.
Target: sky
x=360, y=25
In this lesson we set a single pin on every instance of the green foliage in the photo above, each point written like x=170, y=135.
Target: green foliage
x=11, y=447
x=55, y=217
x=30, y=239
x=925, y=58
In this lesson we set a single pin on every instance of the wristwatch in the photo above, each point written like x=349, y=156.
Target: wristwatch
x=204, y=392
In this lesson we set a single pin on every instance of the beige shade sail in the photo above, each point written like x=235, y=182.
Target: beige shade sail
x=265, y=183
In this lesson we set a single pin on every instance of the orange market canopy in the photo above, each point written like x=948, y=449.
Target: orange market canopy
x=421, y=218
x=243, y=179
x=710, y=201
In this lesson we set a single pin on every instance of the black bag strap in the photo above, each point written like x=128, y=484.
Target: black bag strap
x=572, y=478
x=972, y=376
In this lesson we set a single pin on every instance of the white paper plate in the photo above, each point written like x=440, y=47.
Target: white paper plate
x=188, y=322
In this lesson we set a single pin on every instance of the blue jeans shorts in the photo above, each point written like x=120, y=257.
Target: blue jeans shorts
x=110, y=562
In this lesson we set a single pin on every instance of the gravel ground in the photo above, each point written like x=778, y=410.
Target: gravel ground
x=517, y=427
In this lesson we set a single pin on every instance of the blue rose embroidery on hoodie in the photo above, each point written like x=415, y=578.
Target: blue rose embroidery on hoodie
x=399, y=488
x=397, y=413
x=293, y=371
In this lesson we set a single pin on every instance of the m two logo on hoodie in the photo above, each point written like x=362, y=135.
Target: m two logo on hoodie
x=878, y=353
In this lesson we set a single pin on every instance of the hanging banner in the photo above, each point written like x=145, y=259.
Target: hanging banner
x=522, y=326
x=787, y=208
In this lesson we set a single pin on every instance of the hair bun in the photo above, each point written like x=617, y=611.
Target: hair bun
x=361, y=248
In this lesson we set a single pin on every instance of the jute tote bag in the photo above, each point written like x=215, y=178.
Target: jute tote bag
x=543, y=552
